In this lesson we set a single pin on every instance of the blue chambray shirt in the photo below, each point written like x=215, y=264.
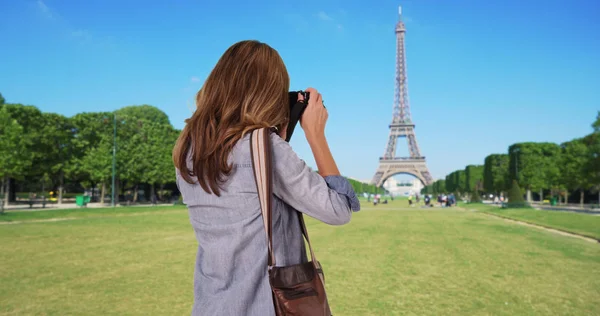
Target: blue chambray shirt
x=230, y=276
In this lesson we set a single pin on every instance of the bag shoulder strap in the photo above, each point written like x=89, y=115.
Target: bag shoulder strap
x=260, y=150
x=305, y=233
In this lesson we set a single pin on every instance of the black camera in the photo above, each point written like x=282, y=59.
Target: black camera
x=293, y=95
x=296, y=109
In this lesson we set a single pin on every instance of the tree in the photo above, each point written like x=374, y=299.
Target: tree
x=439, y=186
x=552, y=159
x=97, y=164
x=59, y=150
x=158, y=141
x=28, y=116
x=131, y=153
x=139, y=128
x=452, y=181
x=596, y=124
x=475, y=197
x=515, y=196
x=573, y=173
x=92, y=146
x=92, y=149
x=449, y=182
x=14, y=156
x=30, y=119
x=456, y=182
x=495, y=173
x=592, y=164
x=593, y=143
x=461, y=181
x=2, y=100
x=357, y=186
x=427, y=190
x=55, y=143
x=535, y=166
x=473, y=175
x=144, y=112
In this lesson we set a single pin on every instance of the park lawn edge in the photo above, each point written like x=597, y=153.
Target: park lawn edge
x=542, y=225
x=535, y=223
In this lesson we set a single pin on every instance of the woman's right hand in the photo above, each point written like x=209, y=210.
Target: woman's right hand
x=315, y=116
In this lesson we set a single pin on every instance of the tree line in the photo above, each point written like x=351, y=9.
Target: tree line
x=42, y=152
x=543, y=169
x=361, y=187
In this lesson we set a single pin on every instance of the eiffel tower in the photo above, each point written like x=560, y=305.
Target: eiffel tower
x=401, y=126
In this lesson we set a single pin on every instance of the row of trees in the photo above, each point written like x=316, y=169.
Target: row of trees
x=42, y=152
x=360, y=187
x=558, y=169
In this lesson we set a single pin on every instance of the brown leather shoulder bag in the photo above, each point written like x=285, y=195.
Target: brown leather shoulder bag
x=297, y=289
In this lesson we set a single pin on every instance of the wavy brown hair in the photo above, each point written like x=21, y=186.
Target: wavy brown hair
x=246, y=90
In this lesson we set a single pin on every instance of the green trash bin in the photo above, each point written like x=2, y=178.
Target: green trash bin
x=80, y=200
x=553, y=201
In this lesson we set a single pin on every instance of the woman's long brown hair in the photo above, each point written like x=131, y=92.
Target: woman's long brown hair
x=246, y=90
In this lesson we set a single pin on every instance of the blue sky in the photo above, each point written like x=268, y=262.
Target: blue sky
x=482, y=74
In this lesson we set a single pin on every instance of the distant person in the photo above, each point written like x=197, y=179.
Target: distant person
x=128, y=197
x=410, y=200
x=248, y=90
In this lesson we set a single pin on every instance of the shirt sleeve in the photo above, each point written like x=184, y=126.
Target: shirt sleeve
x=329, y=200
x=342, y=186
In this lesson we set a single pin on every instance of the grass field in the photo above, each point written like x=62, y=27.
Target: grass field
x=582, y=224
x=390, y=260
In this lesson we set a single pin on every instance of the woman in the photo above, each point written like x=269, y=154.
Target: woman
x=248, y=89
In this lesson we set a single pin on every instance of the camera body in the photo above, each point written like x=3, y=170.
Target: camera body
x=293, y=96
x=296, y=110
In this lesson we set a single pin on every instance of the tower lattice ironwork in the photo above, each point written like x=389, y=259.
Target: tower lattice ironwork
x=402, y=125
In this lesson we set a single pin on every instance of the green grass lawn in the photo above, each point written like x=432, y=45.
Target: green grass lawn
x=390, y=260
x=583, y=224
x=74, y=213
